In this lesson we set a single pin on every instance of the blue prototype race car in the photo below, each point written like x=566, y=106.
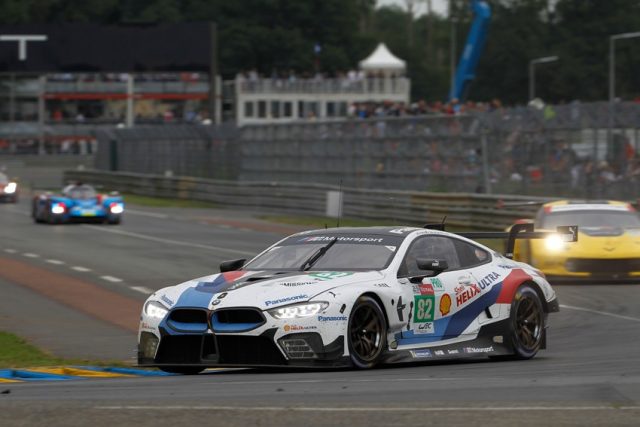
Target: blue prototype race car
x=78, y=202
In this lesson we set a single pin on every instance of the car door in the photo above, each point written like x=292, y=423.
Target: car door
x=434, y=297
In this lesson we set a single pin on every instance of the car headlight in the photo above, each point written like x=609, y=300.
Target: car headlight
x=11, y=188
x=58, y=208
x=554, y=243
x=298, y=310
x=155, y=309
x=116, y=208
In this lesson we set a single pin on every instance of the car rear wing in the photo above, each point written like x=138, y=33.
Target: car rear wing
x=568, y=233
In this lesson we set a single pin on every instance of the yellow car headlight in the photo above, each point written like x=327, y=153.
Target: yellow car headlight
x=554, y=243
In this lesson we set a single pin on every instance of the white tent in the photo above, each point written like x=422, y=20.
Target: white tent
x=382, y=60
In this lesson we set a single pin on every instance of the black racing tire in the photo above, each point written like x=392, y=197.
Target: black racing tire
x=182, y=370
x=366, y=333
x=34, y=212
x=114, y=221
x=526, y=323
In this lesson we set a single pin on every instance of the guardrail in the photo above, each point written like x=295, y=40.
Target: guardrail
x=472, y=211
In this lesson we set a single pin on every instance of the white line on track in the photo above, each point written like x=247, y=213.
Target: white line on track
x=144, y=213
x=111, y=279
x=10, y=251
x=167, y=241
x=55, y=261
x=375, y=408
x=142, y=289
x=80, y=268
x=603, y=313
x=31, y=255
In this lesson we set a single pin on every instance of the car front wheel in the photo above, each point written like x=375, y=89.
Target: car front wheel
x=526, y=323
x=367, y=333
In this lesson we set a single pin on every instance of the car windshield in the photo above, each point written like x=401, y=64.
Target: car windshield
x=349, y=253
x=81, y=192
x=592, y=219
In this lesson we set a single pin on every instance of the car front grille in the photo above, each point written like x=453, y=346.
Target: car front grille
x=603, y=266
x=188, y=320
x=236, y=319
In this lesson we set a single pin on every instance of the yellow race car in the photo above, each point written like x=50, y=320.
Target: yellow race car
x=608, y=246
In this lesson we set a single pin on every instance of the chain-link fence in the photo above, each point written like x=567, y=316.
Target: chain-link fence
x=188, y=150
x=578, y=150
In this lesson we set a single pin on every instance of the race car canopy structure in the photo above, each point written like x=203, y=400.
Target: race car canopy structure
x=81, y=47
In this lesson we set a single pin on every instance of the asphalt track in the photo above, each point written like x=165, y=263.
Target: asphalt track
x=77, y=289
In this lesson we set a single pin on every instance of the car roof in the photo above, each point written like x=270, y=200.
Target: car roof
x=582, y=205
x=397, y=230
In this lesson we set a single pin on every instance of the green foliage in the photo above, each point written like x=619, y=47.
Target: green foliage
x=280, y=35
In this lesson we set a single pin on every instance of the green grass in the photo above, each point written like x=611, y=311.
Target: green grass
x=15, y=352
x=161, y=202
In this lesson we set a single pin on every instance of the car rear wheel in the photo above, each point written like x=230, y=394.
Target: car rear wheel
x=183, y=370
x=367, y=333
x=526, y=323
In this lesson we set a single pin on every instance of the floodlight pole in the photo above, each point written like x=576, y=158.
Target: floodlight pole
x=532, y=72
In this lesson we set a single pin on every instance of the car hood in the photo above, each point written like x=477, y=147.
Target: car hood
x=262, y=289
x=600, y=242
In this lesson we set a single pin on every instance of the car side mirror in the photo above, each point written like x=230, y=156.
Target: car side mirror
x=233, y=265
x=437, y=265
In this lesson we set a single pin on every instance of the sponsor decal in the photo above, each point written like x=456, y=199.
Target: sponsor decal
x=296, y=328
x=402, y=230
x=488, y=280
x=424, y=328
x=472, y=350
x=498, y=339
x=445, y=304
x=380, y=285
x=466, y=295
x=425, y=289
x=439, y=352
x=400, y=310
x=147, y=327
x=167, y=300
x=291, y=284
x=507, y=266
x=424, y=308
x=421, y=354
x=330, y=275
x=345, y=239
x=286, y=299
x=453, y=351
x=332, y=318
x=437, y=284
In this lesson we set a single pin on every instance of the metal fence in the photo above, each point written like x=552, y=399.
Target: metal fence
x=472, y=211
x=204, y=151
x=576, y=150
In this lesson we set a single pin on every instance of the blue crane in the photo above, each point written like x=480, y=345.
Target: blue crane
x=468, y=62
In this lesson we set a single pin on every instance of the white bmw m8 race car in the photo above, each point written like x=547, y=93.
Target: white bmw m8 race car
x=353, y=297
